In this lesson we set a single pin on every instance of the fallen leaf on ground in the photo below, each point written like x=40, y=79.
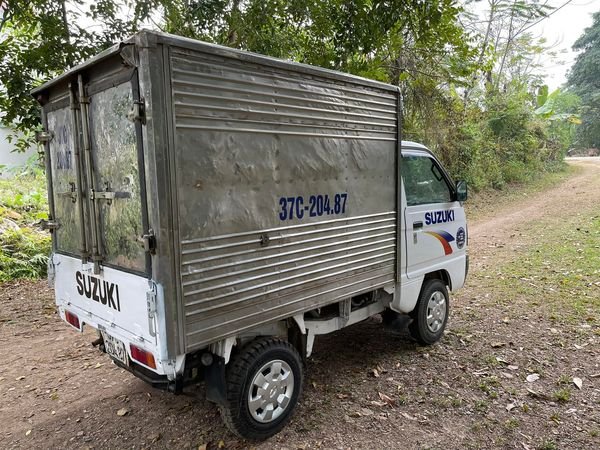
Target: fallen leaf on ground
x=535, y=394
x=510, y=406
x=375, y=373
x=387, y=399
x=376, y=403
x=498, y=344
x=22, y=377
x=221, y=444
x=578, y=382
x=532, y=377
x=512, y=367
x=28, y=432
x=202, y=447
x=122, y=412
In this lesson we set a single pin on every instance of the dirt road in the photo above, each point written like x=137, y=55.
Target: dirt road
x=468, y=391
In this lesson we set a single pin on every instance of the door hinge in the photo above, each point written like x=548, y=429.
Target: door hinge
x=149, y=242
x=138, y=111
x=50, y=225
x=44, y=137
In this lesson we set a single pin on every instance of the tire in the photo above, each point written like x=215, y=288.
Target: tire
x=254, y=413
x=431, y=313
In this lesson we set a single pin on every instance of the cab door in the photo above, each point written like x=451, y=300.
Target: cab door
x=435, y=223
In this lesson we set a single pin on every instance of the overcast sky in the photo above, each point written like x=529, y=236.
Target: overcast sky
x=561, y=30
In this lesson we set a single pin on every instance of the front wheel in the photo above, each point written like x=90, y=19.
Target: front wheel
x=431, y=313
x=264, y=382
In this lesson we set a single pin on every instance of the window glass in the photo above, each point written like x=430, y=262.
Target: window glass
x=423, y=181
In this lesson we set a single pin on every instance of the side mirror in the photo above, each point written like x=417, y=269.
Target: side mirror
x=461, y=191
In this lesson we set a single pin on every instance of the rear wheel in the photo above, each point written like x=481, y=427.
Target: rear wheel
x=264, y=382
x=431, y=313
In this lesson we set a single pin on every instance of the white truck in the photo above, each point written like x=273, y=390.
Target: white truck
x=213, y=211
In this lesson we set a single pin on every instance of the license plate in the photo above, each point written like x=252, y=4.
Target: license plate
x=115, y=348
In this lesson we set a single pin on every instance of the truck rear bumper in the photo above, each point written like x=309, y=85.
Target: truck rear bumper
x=115, y=303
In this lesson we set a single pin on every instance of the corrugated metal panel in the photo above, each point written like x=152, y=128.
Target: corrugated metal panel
x=227, y=279
x=215, y=94
x=246, y=135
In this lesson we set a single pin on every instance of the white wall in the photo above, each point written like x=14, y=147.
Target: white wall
x=9, y=158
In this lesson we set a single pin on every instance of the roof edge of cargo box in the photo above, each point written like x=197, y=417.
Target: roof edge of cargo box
x=145, y=38
x=105, y=54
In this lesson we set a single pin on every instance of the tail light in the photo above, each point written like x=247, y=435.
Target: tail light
x=72, y=319
x=142, y=356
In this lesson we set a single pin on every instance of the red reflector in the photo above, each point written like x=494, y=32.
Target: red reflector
x=142, y=356
x=72, y=319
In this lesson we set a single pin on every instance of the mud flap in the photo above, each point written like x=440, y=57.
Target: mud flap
x=214, y=377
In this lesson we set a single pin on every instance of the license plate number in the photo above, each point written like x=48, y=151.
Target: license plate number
x=115, y=348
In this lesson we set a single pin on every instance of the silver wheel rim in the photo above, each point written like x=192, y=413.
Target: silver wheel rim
x=436, y=311
x=271, y=391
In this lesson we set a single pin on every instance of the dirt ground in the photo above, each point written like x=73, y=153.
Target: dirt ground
x=468, y=391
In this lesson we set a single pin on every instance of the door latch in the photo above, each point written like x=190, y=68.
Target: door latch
x=107, y=194
x=71, y=193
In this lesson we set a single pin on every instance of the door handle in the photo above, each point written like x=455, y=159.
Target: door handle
x=417, y=225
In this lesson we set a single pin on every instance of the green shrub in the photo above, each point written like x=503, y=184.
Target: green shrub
x=23, y=254
x=24, y=249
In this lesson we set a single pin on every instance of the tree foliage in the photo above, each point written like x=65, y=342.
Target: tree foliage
x=42, y=38
x=584, y=79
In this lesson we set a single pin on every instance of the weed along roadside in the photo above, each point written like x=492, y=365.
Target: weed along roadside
x=23, y=203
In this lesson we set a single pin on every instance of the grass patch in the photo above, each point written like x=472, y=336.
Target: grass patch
x=561, y=273
x=562, y=395
x=548, y=445
x=24, y=248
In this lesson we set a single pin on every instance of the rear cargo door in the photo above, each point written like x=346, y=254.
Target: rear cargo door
x=67, y=198
x=96, y=164
x=117, y=172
